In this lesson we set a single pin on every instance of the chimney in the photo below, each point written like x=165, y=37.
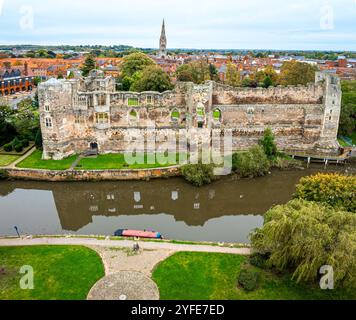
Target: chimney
x=26, y=69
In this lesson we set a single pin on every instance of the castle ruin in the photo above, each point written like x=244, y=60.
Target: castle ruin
x=84, y=114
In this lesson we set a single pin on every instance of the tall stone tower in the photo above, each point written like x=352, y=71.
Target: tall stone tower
x=163, y=42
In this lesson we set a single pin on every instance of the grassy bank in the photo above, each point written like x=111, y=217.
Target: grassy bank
x=208, y=276
x=6, y=160
x=118, y=161
x=60, y=272
x=34, y=161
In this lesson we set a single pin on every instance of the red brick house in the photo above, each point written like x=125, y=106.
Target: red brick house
x=16, y=79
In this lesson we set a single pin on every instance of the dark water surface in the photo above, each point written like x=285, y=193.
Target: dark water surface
x=225, y=211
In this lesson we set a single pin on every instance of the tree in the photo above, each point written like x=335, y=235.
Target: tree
x=295, y=72
x=232, y=75
x=269, y=72
x=37, y=81
x=7, y=129
x=88, y=65
x=303, y=236
x=213, y=72
x=268, y=144
x=198, y=71
x=135, y=62
x=252, y=163
x=335, y=190
x=26, y=119
x=267, y=82
x=248, y=82
x=348, y=110
x=152, y=78
x=198, y=174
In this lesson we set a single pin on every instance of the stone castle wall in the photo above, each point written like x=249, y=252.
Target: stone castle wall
x=79, y=114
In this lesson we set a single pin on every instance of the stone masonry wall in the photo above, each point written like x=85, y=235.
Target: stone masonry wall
x=87, y=112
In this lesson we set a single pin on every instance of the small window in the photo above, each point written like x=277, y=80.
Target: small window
x=78, y=119
x=331, y=112
x=48, y=123
x=217, y=115
x=149, y=99
x=329, y=118
x=47, y=108
x=132, y=102
x=200, y=112
x=175, y=115
x=133, y=116
x=102, y=118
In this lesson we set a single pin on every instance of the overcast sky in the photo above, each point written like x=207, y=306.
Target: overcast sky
x=221, y=24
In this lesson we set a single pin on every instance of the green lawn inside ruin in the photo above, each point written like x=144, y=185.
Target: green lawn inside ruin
x=34, y=161
x=118, y=161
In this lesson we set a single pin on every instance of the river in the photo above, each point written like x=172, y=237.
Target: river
x=225, y=211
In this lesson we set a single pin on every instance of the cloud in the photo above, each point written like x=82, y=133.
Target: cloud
x=195, y=24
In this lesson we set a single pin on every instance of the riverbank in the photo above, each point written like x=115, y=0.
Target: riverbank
x=119, y=243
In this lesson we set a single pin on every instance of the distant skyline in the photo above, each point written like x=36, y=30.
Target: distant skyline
x=224, y=24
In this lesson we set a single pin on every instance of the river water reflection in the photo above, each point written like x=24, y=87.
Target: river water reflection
x=225, y=211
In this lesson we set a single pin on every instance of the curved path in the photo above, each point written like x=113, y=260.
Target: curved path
x=126, y=285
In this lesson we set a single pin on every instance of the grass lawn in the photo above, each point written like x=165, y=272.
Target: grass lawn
x=115, y=161
x=209, y=276
x=5, y=160
x=34, y=161
x=60, y=272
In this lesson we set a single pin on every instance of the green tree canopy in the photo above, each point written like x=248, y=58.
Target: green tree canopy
x=295, y=72
x=88, y=65
x=199, y=71
x=303, y=236
x=268, y=143
x=135, y=62
x=152, y=78
x=232, y=75
x=336, y=190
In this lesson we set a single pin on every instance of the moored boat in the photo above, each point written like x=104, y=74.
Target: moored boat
x=138, y=234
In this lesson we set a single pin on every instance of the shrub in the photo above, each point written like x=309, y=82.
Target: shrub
x=336, y=190
x=18, y=147
x=258, y=260
x=253, y=163
x=8, y=147
x=25, y=143
x=268, y=144
x=198, y=174
x=248, y=279
x=303, y=236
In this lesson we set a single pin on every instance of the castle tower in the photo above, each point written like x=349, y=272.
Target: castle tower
x=163, y=42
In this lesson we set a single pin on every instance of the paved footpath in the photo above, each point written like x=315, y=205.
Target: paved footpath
x=145, y=245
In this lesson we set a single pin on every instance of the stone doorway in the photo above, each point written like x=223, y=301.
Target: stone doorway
x=94, y=146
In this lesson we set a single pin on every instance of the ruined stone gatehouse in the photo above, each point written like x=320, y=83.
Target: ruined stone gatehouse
x=82, y=114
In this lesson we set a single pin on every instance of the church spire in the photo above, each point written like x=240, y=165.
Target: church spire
x=163, y=42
